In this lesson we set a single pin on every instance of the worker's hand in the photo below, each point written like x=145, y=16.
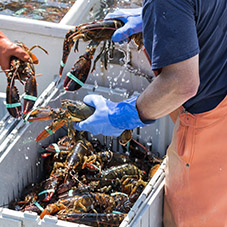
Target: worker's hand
x=132, y=19
x=8, y=49
x=110, y=118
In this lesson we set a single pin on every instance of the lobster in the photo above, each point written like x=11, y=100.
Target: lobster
x=94, y=219
x=50, y=186
x=71, y=111
x=29, y=195
x=62, y=171
x=113, y=177
x=24, y=72
x=96, y=31
x=62, y=148
x=82, y=203
x=78, y=156
x=107, y=159
x=57, y=206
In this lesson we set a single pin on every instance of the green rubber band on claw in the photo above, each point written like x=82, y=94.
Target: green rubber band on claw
x=12, y=105
x=57, y=149
x=127, y=146
x=62, y=64
x=46, y=191
x=70, y=75
x=49, y=130
x=116, y=212
x=39, y=206
x=30, y=97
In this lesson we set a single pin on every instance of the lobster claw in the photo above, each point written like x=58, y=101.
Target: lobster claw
x=13, y=104
x=67, y=46
x=77, y=76
x=39, y=114
x=51, y=129
x=49, y=189
x=30, y=94
x=43, y=114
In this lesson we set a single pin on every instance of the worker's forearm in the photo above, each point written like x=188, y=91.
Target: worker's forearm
x=174, y=86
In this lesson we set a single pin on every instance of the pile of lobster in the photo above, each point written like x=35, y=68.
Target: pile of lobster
x=88, y=183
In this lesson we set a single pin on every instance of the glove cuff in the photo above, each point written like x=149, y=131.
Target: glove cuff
x=124, y=115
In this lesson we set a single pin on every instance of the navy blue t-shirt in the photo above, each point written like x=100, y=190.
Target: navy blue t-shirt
x=175, y=30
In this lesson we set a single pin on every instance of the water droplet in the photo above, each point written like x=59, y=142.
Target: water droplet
x=157, y=131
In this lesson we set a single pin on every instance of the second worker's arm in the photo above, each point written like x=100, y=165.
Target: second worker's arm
x=170, y=89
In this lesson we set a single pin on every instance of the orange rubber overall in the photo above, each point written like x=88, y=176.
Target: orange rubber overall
x=196, y=173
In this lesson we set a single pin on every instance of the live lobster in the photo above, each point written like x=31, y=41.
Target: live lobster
x=25, y=73
x=96, y=31
x=70, y=112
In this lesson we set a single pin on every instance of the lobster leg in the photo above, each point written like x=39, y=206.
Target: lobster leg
x=99, y=56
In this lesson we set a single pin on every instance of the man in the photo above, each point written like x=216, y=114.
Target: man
x=186, y=41
x=8, y=49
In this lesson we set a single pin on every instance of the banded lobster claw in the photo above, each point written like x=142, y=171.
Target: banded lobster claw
x=70, y=111
x=58, y=116
x=25, y=73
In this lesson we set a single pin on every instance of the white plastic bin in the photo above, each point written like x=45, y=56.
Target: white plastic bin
x=20, y=162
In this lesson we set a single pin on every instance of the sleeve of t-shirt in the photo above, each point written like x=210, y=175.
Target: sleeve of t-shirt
x=169, y=30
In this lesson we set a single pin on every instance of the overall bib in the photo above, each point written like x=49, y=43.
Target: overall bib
x=196, y=173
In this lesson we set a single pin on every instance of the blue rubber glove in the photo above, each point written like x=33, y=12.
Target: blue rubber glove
x=132, y=19
x=110, y=118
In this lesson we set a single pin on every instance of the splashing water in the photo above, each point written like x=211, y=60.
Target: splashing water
x=26, y=157
x=61, y=93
